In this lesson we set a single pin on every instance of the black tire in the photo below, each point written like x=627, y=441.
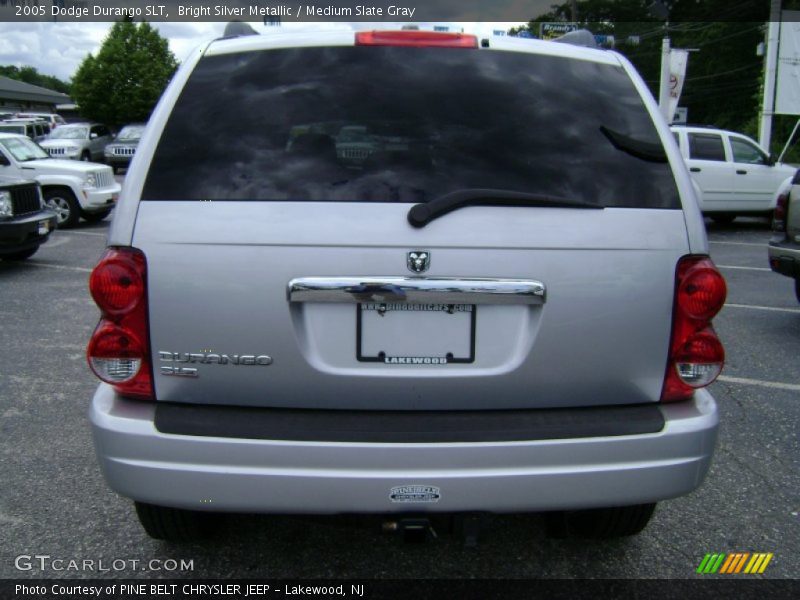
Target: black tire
x=173, y=524
x=797, y=289
x=723, y=218
x=115, y=168
x=95, y=217
x=25, y=254
x=66, y=207
x=608, y=523
x=85, y=156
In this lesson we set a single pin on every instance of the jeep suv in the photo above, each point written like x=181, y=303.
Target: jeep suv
x=72, y=190
x=78, y=141
x=25, y=221
x=501, y=303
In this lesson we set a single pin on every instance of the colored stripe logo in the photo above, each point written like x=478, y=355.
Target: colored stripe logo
x=735, y=562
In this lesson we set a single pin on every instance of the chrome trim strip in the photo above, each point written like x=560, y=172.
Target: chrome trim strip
x=446, y=290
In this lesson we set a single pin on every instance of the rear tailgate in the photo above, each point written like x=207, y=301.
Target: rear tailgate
x=306, y=165
x=219, y=287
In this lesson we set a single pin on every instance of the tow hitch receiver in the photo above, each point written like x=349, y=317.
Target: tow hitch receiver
x=417, y=530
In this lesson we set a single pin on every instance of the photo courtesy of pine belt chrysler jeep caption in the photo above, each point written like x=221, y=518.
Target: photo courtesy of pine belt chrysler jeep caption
x=411, y=277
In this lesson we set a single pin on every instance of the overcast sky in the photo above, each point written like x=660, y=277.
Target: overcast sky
x=58, y=48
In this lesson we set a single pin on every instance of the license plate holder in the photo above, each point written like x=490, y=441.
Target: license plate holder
x=442, y=333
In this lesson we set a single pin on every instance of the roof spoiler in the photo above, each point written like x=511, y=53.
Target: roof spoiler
x=579, y=37
x=237, y=28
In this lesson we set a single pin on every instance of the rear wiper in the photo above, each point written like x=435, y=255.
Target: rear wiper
x=643, y=150
x=425, y=212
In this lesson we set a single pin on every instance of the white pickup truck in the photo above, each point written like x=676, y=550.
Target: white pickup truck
x=734, y=175
x=70, y=188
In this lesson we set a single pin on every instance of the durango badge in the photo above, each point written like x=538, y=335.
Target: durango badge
x=415, y=493
x=418, y=261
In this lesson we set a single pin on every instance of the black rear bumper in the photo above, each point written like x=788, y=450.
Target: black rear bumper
x=406, y=426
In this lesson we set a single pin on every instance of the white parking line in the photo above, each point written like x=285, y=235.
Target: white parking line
x=743, y=268
x=762, y=245
x=770, y=308
x=62, y=267
x=792, y=387
x=92, y=233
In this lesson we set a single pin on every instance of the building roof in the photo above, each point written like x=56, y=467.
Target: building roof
x=11, y=89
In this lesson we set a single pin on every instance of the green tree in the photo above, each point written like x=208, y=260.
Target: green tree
x=722, y=77
x=125, y=80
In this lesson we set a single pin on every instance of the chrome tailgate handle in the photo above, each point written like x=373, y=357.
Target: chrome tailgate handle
x=444, y=290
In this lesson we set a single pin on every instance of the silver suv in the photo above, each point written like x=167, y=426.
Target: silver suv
x=78, y=141
x=499, y=299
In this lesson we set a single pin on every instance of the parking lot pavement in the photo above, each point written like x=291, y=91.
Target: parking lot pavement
x=53, y=500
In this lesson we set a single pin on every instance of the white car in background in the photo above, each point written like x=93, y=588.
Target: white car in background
x=735, y=175
x=71, y=189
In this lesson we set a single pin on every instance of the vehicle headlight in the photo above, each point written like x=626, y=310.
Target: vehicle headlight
x=70, y=150
x=109, y=151
x=6, y=208
x=91, y=180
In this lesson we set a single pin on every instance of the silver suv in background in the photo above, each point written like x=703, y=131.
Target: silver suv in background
x=784, y=247
x=434, y=282
x=119, y=152
x=78, y=141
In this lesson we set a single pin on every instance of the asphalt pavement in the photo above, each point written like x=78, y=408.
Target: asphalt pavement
x=54, y=502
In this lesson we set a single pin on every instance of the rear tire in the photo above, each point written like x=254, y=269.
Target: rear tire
x=603, y=523
x=173, y=524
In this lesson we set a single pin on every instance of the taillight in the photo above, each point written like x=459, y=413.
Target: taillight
x=779, y=215
x=435, y=39
x=118, y=350
x=696, y=355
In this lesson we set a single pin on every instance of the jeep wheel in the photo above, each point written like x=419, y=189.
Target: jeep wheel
x=86, y=157
x=173, y=524
x=63, y=203
x=25, y=254
x=601, y=523
x=97, y=216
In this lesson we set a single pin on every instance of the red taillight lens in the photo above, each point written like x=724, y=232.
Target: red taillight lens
x=429, y=39
x=116, y=283
x=702, y=291
x=118, y=352
x=779, y=215
x=696, y=355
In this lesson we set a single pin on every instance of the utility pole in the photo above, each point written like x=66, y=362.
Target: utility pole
x=770, y=74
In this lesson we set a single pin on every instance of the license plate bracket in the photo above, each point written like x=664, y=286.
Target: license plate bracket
x=415, y=334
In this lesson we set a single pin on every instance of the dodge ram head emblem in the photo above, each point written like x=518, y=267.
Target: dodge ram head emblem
x=418, y=261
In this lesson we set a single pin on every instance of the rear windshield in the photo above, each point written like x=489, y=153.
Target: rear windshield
x=390, y=124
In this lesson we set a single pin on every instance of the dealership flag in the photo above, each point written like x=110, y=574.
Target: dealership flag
x=677, y=74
